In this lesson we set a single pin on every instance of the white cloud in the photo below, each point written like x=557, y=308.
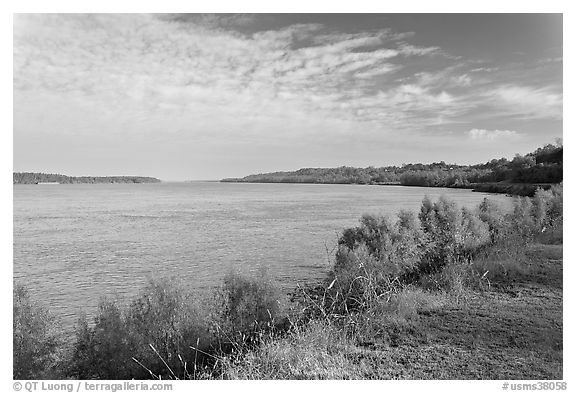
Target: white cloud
x=411, y=50
x=196, y=72
x=479, y=134
x=484, y=69
x=151, y=66
x=551, y=60
x=527, y=102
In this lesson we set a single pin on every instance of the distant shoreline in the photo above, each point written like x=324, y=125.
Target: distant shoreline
x=37, y=178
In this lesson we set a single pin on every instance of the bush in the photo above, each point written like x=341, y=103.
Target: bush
x=394, y=246
x=166, y=333
x=103, y=351
x=496, y=218
x=358, y=278
x=245, y=307
x=378, y=255
x=35, y=341
x=555, y=204
x=529, y=216
x=166, y=327
x=452, y=235
x=161, y=329
x=372, y=258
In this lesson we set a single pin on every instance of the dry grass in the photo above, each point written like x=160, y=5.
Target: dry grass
x=318, y=351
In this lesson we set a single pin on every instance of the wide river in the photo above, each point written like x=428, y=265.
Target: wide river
x=74, y=244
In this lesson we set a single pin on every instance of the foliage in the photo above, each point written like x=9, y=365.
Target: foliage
x=157, y=334
x=167, y=333
x=35, y=339
x=245, y=307
x=102, y=351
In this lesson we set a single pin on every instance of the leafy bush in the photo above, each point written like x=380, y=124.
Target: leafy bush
x=102, y=351
x=35, y=341
x=394, y=246
x=555, y=204
x=532, y=217
x=452, y=234
x=359, y=278
x=374, y=257
x=495, y=217
x=379, y=254
x=245, y=307
x=161, y=328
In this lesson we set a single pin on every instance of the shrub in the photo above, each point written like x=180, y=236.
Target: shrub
x=475, y=234
x=103, y=351
x=524, y=218
x=35, y=341
x=373, y=258
x=165, y=327
x=394, y=246
x=245, y=307
x=161, y=329
x=547, y=207
x=452, y=234
x=495, y=217
x=358, y=278
x=441, y=224
x=555, y=204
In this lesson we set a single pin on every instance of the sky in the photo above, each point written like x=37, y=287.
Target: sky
x=197, y=97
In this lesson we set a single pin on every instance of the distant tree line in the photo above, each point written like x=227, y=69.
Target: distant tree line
x=542, y=166
x=35, y=178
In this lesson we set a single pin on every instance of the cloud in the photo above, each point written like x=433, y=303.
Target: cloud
x=484, y=69
x=201, y=73
x=152, y=66
x=381, y=36
x=527, y=102
x=551, y=60
x=411, y=50
x=478, y=134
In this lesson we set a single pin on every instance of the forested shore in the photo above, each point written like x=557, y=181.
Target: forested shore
x=38, y=178
x=521, y=175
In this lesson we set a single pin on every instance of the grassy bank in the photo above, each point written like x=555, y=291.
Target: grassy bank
x=449, y=293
